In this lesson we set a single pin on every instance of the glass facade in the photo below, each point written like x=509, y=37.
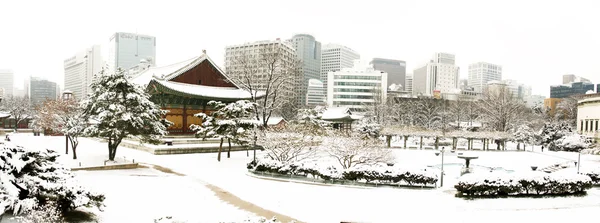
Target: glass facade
x=576, y=88
x=127, y=50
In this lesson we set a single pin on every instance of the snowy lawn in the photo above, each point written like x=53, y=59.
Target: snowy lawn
x=142, y=195
x=310, y=203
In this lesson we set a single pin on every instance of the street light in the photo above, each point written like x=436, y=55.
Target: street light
x=442, y=175
x=67, y=95
x=578, y=163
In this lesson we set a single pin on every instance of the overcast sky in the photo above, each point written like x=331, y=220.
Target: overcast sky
x=536, y=42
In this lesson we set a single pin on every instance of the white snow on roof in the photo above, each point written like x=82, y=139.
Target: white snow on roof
x=336, y=113
x=165, y=72
x=273, y=120
x=4, y=115
x=207, y=91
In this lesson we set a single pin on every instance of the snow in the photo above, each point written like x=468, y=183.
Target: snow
x=313, y=203
x=172, y=70
x=336, y=113
x=207, y=91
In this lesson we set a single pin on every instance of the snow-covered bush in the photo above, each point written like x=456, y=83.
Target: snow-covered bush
x=30, y=177
x=524, y=135
x=593, y=151
x=47, y=213
x=350, y=151
x=571, y=143
x=369, y=127
x=594, y=174
x=379, y=174
x=525, y=183
x=552, y=132
x=168, y=219
x=288, y=146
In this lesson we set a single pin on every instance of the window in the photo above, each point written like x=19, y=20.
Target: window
x=586, y=125
x=596, y=126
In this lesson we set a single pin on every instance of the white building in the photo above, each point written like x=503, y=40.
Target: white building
x=409, y=83
x=128, y=49
x=80, y=70
x=251, y=52
x=356, y=87
x=517, y=90
x=439, y=75
x=481, y=73
x=7, y=82
x=334, y=57
x=316, y=94
x=588, y=115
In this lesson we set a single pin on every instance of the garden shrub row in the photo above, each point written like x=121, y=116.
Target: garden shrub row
x=594, y=175
x=368, y=174
x=525, y=183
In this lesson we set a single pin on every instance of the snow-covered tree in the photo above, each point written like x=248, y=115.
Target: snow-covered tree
x=46, y=213
x=501, y=110
x=429, y=113
x=352, y=150
x=524, y=135
x=122, y=109
x=566, y=110
x=289, y=146
x=31, y=177
x=368, y=126
x=65, y=116
x=18, y=107
x=310, y=122
x=572, y=142
x=233, y=121
x=270, y=78
x=552, y=132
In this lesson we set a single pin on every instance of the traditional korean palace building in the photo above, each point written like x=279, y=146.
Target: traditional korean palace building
x=185, y=88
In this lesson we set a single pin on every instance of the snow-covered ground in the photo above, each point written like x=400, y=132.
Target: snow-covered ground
x=312, y=203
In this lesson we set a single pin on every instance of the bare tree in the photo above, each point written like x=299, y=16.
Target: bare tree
x=350, y=150
x=18, y=107
x=501, y=111
x=289, y=146
x=429, y=113
x=65, y=116
x=566, y=110
x=270, y=76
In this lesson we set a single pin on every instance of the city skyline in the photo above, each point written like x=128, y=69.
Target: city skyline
x=504, y=33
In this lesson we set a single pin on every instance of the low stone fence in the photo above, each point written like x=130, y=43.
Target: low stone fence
x=336, y=182
x=109, y=167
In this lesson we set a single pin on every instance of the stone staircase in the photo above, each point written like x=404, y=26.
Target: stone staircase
x=556, y=167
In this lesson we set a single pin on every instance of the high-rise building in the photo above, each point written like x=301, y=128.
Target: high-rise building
x=516, y=89
x=7, y=82
x=252, y=53
x=80, y=70
x=315, y=95
x=128, y=49
x=409, y=83
x=396, y=70
x=481, y=73
x=334, y=57
x=440, y=75
x=357, y=87
x=41, y=90
x=570, y=89
x=308, y=51
x=568, y=78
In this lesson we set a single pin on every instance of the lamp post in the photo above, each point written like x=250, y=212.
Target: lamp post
x=442, y=175
x=67, y=95
x=578, y=162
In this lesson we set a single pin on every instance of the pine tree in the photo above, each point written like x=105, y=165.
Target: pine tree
x=122, y=109
x=229, y=121
x=524, y=135
x=30, y=177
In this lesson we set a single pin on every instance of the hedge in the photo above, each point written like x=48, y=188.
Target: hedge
x=370, y=174
x=524, y=183
x=594, y=175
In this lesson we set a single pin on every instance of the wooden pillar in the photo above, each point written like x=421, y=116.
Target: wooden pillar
x=421, y=143
x=184, y=127
x=204, y=106
x=454, y=143
x=437, y=140
x=405, y=138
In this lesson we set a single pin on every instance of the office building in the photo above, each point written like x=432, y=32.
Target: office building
x=356, y=88
x=396, y=70
x=126, y=50
x=481, y=73
x=570, y=89
x=308, y=51
x=238, y=58
x=334, y=57
x=80, y=70
x=440, y=75
x=316, y=93
x=7, y=82
x=41, y=90
x=568, y=78
x=409, y=83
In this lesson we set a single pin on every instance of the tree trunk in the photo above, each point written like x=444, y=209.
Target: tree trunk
x=74, y=144
x=220, y=148
x=388, y=140
x=112, y=148
x=421, y=143
x=229, y=150
x=66, y=144
x=518, y=146
x=437, y=140
x=405, y=139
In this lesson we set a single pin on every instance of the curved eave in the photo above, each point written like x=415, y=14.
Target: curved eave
x=156, y=87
